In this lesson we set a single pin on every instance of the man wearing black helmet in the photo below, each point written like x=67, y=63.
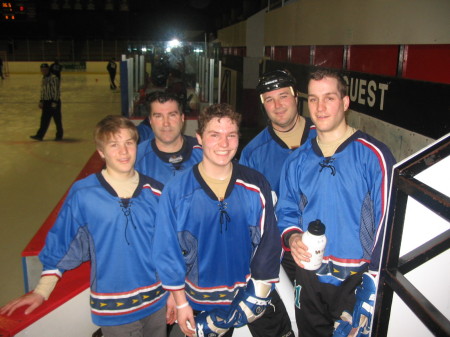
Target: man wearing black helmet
x=287, y=130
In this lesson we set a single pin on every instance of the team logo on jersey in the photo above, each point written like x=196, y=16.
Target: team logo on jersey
x=176, y=159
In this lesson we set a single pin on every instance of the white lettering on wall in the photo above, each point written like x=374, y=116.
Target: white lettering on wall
x=371, y=94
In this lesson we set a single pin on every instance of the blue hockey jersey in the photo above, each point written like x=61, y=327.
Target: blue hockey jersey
x=164, y=166
x=145, y=131
x=211, y=248
x=115, y=235
x=348, y=192
x=267, y=153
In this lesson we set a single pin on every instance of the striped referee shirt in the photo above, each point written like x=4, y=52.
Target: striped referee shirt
x=50, y=88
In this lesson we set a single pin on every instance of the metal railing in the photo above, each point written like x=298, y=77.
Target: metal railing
x=394, y=267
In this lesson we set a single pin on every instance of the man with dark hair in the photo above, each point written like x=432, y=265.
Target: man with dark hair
x=341, y=177
x=216, y=236
x=50, y=104
x=169, y=152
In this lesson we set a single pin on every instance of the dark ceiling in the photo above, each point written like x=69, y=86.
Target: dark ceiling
x=145, y=19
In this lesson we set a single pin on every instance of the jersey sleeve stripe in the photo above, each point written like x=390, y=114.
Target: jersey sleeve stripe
x=154, y=190
x=384, y=183
x=256, y=189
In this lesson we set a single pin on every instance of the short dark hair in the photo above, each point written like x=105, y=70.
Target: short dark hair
x=163, y=97
x=220, y=110
x=320, y=74
x=111, y=125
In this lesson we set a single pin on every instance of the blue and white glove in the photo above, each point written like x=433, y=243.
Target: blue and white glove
x=212, y=323
x=246, y=306
x=343, y=326
x=361, y=319
x=364, y=306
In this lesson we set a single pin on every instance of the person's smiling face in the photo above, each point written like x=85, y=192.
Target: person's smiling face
x=220, y=141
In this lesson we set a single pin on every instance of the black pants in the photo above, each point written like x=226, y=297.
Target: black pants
x=289, y=266
x=275, y=322
x=318, y=305
x=49, y=112
x=112, y=78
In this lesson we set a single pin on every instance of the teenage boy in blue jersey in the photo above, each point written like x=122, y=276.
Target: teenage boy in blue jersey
x=169, y=152
x=108, y=218
x=342, y=178
x=216, y=237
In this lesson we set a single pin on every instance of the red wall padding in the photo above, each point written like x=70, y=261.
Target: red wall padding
x=427, y=63
x=281, y=53
x=300, y=54
x=380, y=60
x=329, y=56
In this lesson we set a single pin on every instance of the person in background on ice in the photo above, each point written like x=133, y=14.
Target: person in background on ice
x=112, y=70
x=50, y=104
x=1, y=69
x=55, y=69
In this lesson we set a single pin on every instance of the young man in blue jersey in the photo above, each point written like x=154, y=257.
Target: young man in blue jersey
x=216, y=236
x=108, y=218
x=286, y=131
x=342, y=178
x=169, y=152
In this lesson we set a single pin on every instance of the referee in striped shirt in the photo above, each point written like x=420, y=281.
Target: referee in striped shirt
x=50, y=104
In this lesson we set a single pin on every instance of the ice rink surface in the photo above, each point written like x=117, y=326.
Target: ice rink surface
x=35, y=175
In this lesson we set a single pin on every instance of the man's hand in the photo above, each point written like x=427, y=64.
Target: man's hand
x=171, y=312
x=32, y=300
x=298, y=249
x=185, y=318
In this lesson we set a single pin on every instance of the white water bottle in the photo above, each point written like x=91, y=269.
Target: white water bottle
x=316, y=241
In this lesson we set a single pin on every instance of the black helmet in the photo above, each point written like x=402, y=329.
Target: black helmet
x=276, y=79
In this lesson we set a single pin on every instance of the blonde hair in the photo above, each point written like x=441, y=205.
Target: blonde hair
x=111, y=125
